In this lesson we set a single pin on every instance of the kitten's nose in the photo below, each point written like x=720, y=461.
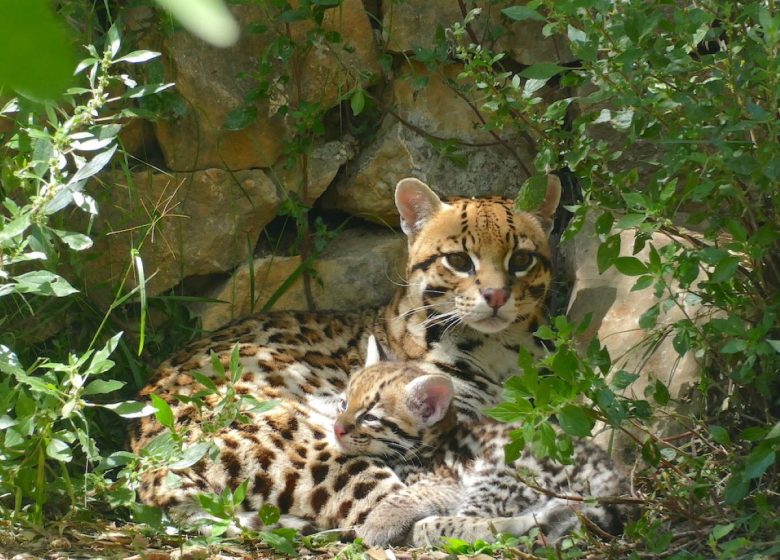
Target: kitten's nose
x=339, y=430
x=495, y=298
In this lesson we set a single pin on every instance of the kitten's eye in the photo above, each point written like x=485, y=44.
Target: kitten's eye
x=369, y=418
x=342, y=405
x=460, y=262
x=521, y=261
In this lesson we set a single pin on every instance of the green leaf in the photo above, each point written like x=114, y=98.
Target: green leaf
x=720, y=531
x=661, y=393
x=522, y=13
x=509, y=411
x=630, y=266
x=207, y=382
x=239, y=119
x=630, y=221
x=138, y=56
x=623, y=379
x=100, y=386
x=269, y=514
x=651, y=453
x=36, y=51
x=719, y=434
x=642, y=283
x=44, y=283
x=725, y=269
x=164, y=413
x=191, y=455
x=240, y=493
x=761, y=458
x=734, y=346
x=542, y=71
x=357, y=102
x=532, y=193
x=736, y=488
x=649, y=318
x=607, y=252
x=76, y=241
x=59, y=450
x=575, y=421
x=279, y=542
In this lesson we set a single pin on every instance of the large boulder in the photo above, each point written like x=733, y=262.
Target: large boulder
x=615, y=311
x=522, y=40
x=360, y=269
x=184, y=224
x=216, y=81
x=411, y=142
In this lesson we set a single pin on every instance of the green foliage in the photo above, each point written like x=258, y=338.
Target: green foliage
x=695, y=85
x=49, y=405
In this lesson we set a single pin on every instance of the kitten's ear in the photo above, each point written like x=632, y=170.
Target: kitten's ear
x=374, y=352
x=416, y=203
x=428, y=397
x=546, y=212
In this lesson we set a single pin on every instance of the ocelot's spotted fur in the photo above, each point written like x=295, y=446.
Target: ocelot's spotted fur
x=458, y=484
x=477, y=277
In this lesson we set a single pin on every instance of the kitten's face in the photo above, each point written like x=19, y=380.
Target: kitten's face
x=395, y=410
x=477, y=262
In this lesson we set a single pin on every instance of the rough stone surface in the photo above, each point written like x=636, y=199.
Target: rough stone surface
x=208, y=79
x=524, y=40
x=399, y=151
x=322, y=164
x=209, y=218
x=616, y=310
x=331, y=69
x=360, y=269
x=216, y=81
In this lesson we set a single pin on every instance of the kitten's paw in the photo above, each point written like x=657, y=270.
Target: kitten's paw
x=385, y=526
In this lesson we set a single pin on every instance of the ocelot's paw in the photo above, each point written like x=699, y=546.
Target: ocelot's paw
x=386, y=526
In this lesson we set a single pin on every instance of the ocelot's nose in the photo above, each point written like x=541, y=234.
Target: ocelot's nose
x=340, y=430
x=495, y=298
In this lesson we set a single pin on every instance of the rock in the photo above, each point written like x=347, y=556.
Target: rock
x=209, y=79
x=401, y=150
x=522, y=40
x=323, y=163
x=331, y=69
x=216, y=81
x=359, y=269
x=204, y=222
x=615, y=312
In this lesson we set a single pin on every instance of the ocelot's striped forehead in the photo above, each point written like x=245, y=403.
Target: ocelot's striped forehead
x=487, y=225
x=492, y=220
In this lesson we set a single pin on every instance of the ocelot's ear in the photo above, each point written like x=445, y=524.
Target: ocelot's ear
x=375, y=353
x=546, y=212
x=416, y=203
x=429, y=397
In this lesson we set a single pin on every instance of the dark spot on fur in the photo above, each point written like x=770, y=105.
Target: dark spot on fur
x=286, y=497
x=319, y=472
x=362, y=489
x=318, y=499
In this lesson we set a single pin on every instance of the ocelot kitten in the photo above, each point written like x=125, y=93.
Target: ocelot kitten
x=477, y=276
x=458, y=482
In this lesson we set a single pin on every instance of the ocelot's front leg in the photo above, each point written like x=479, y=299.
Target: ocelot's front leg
x=391, y=520
x=553, y=519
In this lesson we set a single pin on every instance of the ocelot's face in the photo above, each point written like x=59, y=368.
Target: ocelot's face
x=394, y=410
x=479, y=263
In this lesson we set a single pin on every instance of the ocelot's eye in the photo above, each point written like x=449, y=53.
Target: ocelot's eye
x=521, y=262
x=342, y=405
x=459, y=262
x=368, y=418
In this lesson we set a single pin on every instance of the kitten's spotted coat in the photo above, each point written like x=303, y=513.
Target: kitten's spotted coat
x=458, y=482
x=477, y=276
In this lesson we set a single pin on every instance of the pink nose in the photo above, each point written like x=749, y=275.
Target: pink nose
x=495, y=298
x=339, y=430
